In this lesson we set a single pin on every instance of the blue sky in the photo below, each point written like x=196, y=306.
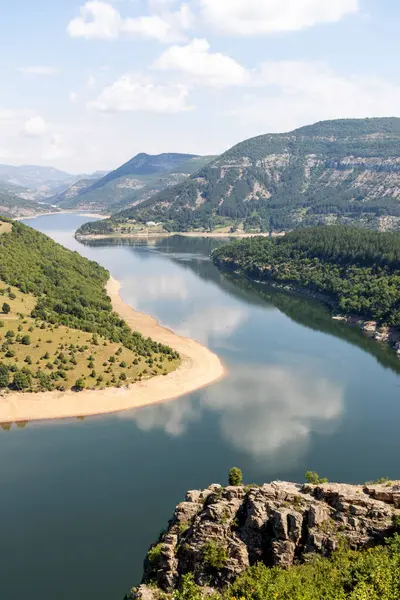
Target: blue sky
x=85, y=86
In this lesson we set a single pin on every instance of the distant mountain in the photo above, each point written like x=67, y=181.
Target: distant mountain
x=137, y=180
x=79, y=186
x=11, y=188
x=344, y=171
x=16, y=207
x=40, y=183
x=32, y=176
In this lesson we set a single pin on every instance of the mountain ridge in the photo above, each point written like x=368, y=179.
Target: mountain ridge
x=345, y=170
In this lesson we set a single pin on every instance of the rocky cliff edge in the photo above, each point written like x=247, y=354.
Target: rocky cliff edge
x=218, y=532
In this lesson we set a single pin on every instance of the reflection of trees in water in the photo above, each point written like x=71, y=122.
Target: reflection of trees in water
x=317, y=316
x=305, y=311
x=268, y=412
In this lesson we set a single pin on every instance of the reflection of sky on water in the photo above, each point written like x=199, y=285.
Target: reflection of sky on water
x=264, y=411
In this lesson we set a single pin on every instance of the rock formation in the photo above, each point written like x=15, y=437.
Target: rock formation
x=218, y=532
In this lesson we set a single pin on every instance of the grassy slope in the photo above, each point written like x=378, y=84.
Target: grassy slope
x=60, y=302
x=75, y=345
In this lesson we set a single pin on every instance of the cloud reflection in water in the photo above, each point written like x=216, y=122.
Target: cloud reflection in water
x=266, y=411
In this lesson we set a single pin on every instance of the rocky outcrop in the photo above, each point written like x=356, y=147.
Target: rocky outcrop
x=218, y=532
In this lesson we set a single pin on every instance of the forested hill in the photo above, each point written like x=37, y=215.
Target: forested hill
x=56, y=315
x=333, y=171
x=360, y=269
x=138, y=179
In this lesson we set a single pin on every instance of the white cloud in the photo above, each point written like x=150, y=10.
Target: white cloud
x=73, y=97
x=39, y=70
x=202, y=66
x=6, y=114
x=100, y=20
x=34, y=127
x=261, y=17
x=300, y=93
x=91, y=81
x=137, y=93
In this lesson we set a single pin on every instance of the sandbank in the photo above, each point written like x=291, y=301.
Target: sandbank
x=199, y=367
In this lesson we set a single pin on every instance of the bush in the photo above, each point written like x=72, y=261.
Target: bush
x=314, y=478
x=4, y=376
x=214, y=555
x=79, y=385
x=153, y=555
x=21, y=381
x=6, y=308
x=235, y=476
x=26, y=340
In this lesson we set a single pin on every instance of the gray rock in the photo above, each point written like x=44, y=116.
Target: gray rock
x=274, y=523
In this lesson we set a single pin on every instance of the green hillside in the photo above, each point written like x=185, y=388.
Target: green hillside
x=345, y=171
x=57, y=324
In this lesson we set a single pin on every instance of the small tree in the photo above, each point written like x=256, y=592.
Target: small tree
x=314, y=478
x=79, y=384
x=21, y=381
x=4, y=376
x=6, y=308
x=235, y=476
x=26, y=340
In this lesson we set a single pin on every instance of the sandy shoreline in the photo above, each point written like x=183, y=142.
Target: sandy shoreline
x=122, y=236
x=199, y=368
x=64, y=212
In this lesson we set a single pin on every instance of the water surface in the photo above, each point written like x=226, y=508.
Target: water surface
x=81, y=500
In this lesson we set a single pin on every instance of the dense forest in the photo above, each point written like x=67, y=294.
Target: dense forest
x=48, y=297
x=359, y=269
x=343, y=171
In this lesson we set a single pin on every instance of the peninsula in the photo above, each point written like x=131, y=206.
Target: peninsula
x=71, y=347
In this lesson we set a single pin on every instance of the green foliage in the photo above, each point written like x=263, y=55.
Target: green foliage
x=358, y=269
x=235, y=476
x=372, y=574
x=349, y=575
x=21, y=381
x=188, y=589
x=4, y=376
x=6, y=308
x=153, y=556
x=26, y=340
x=79, y=385
x=314, y=478
x=215, y=555
x=70, y=289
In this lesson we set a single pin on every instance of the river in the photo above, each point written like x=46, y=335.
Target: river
x=81, y=500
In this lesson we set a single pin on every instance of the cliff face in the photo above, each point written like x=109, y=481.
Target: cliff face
x=335, y=171
x=218, y=532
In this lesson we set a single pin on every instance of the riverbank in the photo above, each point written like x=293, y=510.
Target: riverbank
x=149, y=235
x=383, y=334
x=199, y=367
x=64, y=212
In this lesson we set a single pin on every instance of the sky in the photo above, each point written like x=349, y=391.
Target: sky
x=87, y=85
